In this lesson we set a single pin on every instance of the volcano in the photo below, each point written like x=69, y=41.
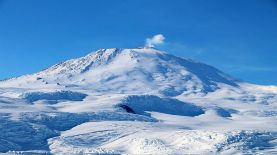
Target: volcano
x=135, y=101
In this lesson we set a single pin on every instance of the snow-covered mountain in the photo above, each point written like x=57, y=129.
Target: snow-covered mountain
x=129, y=70
x=136, y=101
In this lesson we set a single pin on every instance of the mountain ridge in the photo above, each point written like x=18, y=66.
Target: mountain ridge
x=137, y=65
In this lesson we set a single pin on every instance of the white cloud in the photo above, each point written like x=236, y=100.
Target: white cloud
x=155, y=40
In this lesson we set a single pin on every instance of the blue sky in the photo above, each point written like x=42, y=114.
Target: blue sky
x=237, y=36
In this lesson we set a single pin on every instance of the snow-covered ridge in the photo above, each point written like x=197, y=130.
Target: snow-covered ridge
x=122, y=70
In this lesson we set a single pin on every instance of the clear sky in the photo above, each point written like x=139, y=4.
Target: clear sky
x=237, y=36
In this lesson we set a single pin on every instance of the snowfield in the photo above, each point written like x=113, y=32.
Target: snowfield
x=135, y=101
x=155, y=138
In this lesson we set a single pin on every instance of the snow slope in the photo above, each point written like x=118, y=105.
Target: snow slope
x=136, y=101
x=145, y=70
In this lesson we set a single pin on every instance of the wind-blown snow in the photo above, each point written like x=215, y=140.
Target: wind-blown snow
x=136, y=101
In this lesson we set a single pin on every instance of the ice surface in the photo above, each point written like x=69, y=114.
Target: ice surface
x=142, y=104
x=54, y=96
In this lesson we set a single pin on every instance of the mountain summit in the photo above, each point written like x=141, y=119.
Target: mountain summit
x=129, y=70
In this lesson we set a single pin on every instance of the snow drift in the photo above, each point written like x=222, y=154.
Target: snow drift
x=54, y=96
x=149, y=103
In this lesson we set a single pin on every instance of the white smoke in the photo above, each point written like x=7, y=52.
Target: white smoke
x=155, y=40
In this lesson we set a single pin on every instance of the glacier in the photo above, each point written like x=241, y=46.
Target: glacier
x=135, y=101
